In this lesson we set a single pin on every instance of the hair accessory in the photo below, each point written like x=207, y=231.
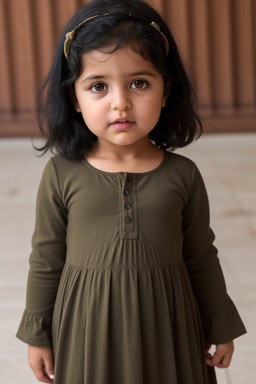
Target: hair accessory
x=71, y=35
x=166, y=42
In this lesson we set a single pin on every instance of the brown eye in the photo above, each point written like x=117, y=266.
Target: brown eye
x=99, y=87
x=139, y=84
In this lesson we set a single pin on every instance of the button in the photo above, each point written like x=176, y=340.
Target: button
x=128, y=220
x=128, y=206
x=127, y=192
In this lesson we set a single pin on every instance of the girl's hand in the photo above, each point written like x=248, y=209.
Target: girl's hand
x=40, y=360
x=222, y=356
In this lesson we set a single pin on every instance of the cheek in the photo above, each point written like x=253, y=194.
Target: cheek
x=153, y=108
x=81, y=104
x=92, y=115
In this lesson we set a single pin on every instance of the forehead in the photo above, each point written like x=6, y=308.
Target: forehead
x=122, y=60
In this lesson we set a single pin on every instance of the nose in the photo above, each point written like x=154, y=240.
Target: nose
x=121, y=100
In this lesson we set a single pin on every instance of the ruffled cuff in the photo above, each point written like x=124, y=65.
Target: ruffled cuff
x=35, y=330
x=223, y=325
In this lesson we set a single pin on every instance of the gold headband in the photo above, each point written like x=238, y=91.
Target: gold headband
x=71, y=35
x=166, y=42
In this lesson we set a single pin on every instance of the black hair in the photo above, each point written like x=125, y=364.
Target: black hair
x=126, y=22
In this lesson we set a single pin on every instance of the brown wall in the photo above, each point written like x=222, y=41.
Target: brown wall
x=217, y=40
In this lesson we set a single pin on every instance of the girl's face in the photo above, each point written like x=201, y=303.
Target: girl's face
x=120, y=96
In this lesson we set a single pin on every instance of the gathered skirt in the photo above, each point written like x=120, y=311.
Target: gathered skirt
x=129, y=325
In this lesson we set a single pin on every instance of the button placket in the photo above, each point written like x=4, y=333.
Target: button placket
x=128, y=211
x=128, y=215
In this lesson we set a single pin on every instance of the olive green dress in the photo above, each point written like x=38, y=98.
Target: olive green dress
x=124, y=280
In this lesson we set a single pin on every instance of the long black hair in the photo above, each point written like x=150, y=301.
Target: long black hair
x=126, y=22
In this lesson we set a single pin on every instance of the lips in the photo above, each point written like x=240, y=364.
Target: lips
x=122, y=123
x=122, y=120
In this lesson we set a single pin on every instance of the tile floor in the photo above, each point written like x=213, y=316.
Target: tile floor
x=227, y=163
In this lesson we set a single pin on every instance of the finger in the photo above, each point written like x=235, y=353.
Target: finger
x=225, y=362
x=217, y=358
x=49, y=368
x=40, y=374
x=208, y=356
x=208, y=359
x=223, y=355
x=221, y=360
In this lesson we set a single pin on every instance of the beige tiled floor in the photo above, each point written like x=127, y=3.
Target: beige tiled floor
x=228, y=165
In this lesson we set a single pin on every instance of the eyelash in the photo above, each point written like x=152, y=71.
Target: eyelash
x=93, y=86
x=144, y=82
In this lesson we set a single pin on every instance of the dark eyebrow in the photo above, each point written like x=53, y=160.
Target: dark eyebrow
x=143, y=73
x=92, y=77
x=99, y=77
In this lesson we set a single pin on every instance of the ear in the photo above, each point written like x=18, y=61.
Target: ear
x=167, y=89
x=74, y=100
x=77, y=107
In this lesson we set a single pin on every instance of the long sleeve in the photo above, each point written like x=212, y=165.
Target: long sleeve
x=46, y=261
x=221, y=321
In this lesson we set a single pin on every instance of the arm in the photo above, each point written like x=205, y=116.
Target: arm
x=46, y=261
x=221, y=321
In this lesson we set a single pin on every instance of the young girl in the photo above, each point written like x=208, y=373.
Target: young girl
x=125, y=286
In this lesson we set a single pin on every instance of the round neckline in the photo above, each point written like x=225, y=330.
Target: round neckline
x=162, y=163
